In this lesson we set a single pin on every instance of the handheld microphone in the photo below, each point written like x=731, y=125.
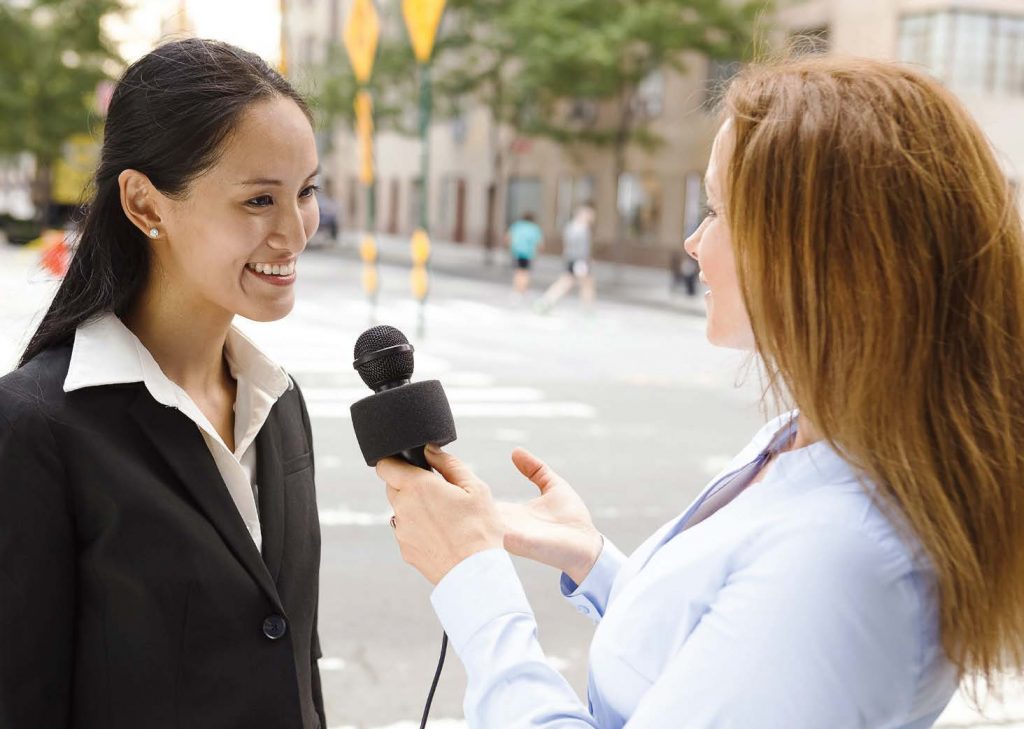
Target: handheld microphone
x=402, y=416
x=399, y=419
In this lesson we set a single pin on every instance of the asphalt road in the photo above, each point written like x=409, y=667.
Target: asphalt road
x=629, y=403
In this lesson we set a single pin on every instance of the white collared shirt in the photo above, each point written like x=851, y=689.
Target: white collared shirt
x=799, y=605
x=106, y=352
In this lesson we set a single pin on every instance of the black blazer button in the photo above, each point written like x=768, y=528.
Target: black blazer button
x=274, y=627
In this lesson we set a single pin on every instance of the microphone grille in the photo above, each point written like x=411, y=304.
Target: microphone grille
x=388, y=368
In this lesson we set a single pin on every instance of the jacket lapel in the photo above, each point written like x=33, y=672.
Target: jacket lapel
x=178, y=440
x=270, y=480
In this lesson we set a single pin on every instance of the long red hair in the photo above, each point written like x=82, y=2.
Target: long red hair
x=881, y=256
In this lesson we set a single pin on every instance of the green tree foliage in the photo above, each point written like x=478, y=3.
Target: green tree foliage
x=530, y=61
x=601, y=51
x=53, y=54
x=331, y=87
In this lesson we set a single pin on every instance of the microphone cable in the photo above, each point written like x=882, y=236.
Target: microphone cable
x=437, y=676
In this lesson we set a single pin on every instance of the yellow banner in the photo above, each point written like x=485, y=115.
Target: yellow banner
x=421, y=19
x=362, y=30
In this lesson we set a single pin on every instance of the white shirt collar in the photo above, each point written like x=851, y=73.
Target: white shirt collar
x=106, y=352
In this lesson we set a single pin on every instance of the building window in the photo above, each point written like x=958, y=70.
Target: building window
x=524, y=196
x=972, y=52
x=572, y=192
x=1008, y=74
x=650, y=95
x=639, y=203
x=581, y=112
x=720, y=73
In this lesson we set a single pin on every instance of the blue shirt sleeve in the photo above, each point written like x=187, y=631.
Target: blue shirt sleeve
x=590, y=597
x=789, y=642
x=490, y=624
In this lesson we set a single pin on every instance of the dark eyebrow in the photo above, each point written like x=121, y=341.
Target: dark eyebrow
x=268, y=181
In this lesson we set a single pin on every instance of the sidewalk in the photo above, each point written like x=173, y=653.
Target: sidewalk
x=625, y=284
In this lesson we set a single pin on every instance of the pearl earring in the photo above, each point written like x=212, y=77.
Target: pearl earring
x=153, y=232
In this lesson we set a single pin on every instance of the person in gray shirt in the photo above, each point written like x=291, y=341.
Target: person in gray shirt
x=577, y=241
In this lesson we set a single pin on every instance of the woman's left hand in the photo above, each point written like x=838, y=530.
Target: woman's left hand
x=440, y=518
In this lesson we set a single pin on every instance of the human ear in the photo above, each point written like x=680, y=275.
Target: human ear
x=140, y=201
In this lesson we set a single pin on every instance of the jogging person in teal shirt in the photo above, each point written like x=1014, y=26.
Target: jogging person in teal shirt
x=524, y=237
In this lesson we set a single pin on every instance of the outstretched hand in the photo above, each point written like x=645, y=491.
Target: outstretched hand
x=555, y=528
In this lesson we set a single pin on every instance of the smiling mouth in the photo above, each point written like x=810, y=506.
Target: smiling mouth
x=273, y=269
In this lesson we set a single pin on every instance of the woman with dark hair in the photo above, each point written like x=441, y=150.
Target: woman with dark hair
x=864, y=551
x=159, y=539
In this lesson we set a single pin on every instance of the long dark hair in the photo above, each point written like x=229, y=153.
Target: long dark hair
x=168, y=118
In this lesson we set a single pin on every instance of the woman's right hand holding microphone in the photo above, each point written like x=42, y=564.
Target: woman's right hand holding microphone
x=555, y=528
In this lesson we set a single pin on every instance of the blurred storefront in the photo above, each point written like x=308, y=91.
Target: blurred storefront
x=975, y=46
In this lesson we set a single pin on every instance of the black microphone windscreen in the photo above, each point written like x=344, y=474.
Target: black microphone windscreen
x=401, y=419
x=393, y=366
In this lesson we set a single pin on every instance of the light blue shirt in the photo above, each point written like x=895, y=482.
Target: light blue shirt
x=797, y=606
x=525, y=237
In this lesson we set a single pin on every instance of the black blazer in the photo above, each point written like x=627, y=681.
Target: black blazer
x=131, y=594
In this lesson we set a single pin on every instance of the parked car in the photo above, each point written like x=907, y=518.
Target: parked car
x=19, y=232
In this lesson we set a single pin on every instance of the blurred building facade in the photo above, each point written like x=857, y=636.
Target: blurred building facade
x=975, y=46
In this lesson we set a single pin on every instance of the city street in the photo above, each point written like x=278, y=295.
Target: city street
x=628, y=402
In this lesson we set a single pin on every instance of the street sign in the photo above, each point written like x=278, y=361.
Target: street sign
x=362, y=30
x=421, y=19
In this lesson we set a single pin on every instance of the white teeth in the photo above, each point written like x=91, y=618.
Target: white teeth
x=273, y=270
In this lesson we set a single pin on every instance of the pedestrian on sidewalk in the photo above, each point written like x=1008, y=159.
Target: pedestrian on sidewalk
x=577, y=241
x=159, y=538
x=524, y=238
x=865, y=551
